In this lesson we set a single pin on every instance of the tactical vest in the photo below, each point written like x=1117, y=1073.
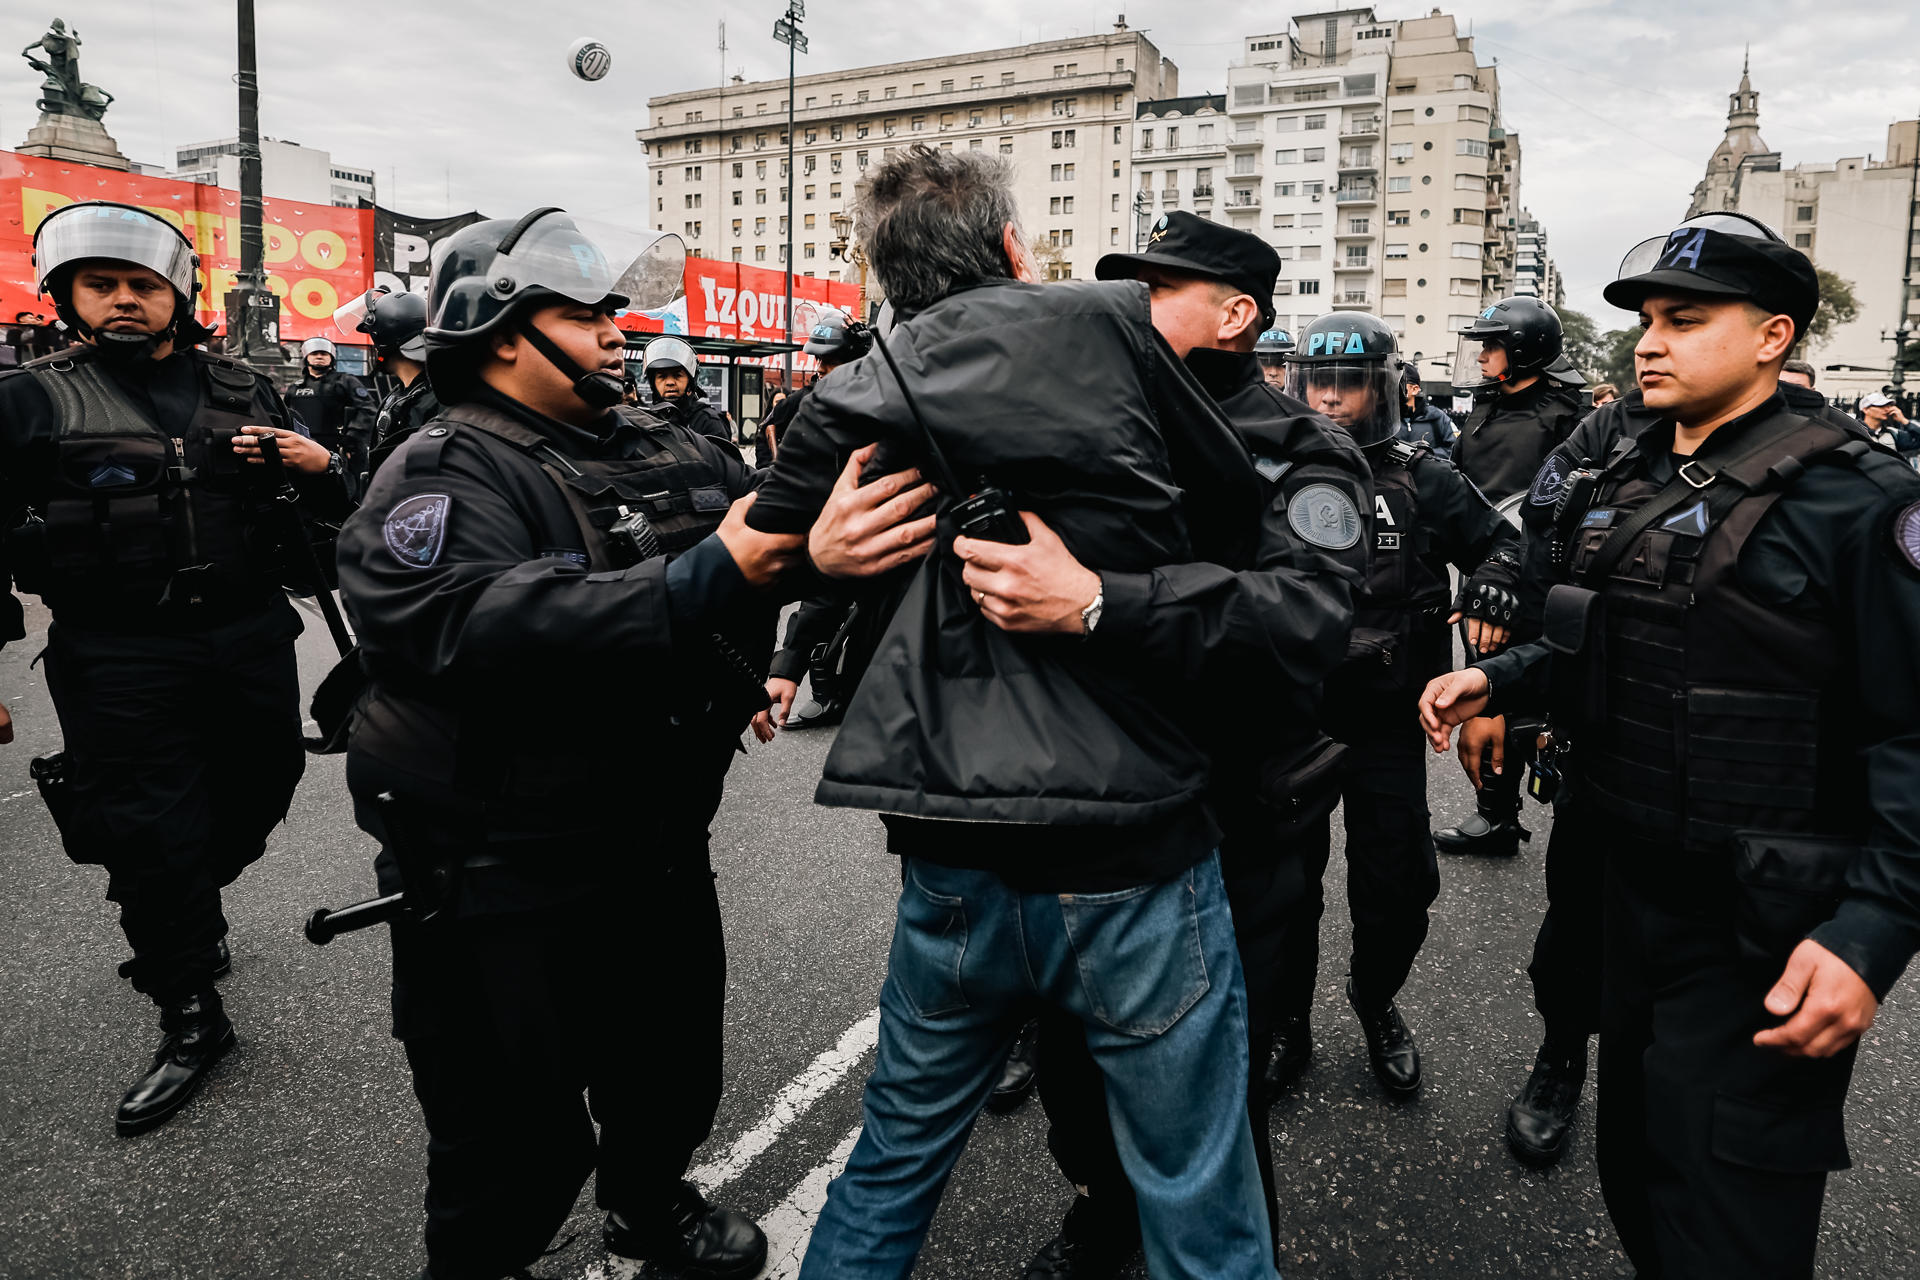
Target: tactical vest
x=1697, y=710
x=679, y=492
x=134, y=515
x=321, y=411
x=403, y=413
x=1399, y=635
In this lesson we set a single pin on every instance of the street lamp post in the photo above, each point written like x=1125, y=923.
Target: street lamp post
x=253, y=311
x=1142, y=203
x=787, y=31
x=845, y=249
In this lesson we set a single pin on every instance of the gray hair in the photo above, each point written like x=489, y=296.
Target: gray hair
x=931, y=222
x=1800, y=367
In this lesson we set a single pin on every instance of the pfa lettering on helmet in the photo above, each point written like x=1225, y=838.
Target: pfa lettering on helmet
x=1684, y=246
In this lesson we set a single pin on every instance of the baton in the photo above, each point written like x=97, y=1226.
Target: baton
x=289, y=498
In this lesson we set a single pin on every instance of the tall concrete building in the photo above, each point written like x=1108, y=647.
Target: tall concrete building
x=1179, y=154
x=1371, y=153
x=1857, y=217
x=288, y=171
x=1061, y=110
x=1534, y=273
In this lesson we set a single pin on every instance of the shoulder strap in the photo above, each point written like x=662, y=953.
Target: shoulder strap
x=87, y=400
x=550, y=460
x=1765, y=460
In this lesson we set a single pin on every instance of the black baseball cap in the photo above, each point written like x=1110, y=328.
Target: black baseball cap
x=1180, y=241
x=1724, y=255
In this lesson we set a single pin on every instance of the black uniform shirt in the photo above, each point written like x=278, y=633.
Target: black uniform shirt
x=1843, y=543
x=169, y=390
x=334, y=406
x=1507, y=436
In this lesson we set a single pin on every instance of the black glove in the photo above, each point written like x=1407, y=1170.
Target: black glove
x=1488, y=602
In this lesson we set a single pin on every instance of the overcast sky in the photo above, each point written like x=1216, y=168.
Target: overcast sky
x=461, y=104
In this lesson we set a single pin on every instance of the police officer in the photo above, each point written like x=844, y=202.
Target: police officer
x=396, y=323
x=671, y=373
x=1272, y=631
x=1426, y=516
x=137, y=509
x=558, y=610
x=1270, y=349
x=1731, y=665
x=1522, y=409
x=835, y=339
x=335, y=407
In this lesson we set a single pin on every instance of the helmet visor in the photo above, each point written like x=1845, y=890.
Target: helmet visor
x=116, y=233
x=593, y=263
x=1362, y=397
x=1646, y=255
x=351, y=318
x=1478, y=363
x=669, y=353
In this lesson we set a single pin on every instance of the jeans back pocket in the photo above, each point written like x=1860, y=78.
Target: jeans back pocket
x=1139, y=954
x=929, y=946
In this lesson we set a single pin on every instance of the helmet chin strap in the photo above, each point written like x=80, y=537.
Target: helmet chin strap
x=599, y=388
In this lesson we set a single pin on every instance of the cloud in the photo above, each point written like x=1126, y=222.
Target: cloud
x=467, y=103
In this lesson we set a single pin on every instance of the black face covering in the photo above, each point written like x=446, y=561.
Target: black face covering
x=128, y=348
x=599, y=388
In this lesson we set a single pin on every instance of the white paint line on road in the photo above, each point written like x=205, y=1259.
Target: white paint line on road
x=790, y=1226
x=16, y=795
x=791, y=1103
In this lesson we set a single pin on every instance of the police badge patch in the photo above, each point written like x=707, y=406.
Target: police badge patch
x=416, y=530
x=1906, y=535
x=1549, y=481
x=1325, y=517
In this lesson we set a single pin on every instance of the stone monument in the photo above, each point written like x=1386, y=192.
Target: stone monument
x=70, y=108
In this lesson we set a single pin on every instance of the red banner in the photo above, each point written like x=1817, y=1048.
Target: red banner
x=316, y=256
x=734, y=300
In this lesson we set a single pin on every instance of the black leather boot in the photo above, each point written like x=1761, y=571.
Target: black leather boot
x=195, y=1034
x=222, y=959
x=1541, y=1118
x=691, y=1237
x=1484, y=837
x=815, y=715
x=1093, y=1243
x=1390, y=1048
x=1292, y=1050
x=1020, y=1074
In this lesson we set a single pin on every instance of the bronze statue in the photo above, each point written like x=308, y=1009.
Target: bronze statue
x=64, y=93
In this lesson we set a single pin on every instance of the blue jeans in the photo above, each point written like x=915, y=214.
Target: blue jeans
x=1152, y=974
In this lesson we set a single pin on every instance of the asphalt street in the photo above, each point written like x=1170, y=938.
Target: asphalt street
x=305, y=1156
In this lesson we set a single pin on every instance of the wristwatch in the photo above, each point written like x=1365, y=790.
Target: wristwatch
x=1090, y=616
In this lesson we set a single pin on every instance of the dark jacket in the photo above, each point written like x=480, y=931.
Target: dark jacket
x=1064, y=396
x=1430, y=424
x=1506, y=437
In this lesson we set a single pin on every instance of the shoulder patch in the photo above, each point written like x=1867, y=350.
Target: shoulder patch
x=1549, y=481
x=1325, y=516
x=416, y=529
x=1906, y=535
x=1271, y=468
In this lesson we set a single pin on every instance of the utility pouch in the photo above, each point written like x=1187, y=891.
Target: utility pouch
x=1572, y=627
x=1787, y=885
x=1302, y=788
x=1378, y=658
x=53, y=775
x=333, y=703
x=109, y=509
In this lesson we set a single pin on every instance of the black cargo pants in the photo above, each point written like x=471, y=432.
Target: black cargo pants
x=184, y=751
x=1713, y=1152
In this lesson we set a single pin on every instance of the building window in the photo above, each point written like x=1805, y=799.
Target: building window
x=1469, y=182
x=1006, y=77
x=760, y=196
x=1399, y=184
x=1469, y=217
x=693, y=146
x=1116, y=202
x=813, y=135
x=946, y=86
x=1146, y=139
x=1463, y=82
x=1306, y=286
x=1284, y=188
x=1063, y=106
x=976, y=118
x=860, y=130
x=1316, y=122
x=977, y=82
x=693, y=231
x=1282, y=219
x=1399, y=218
x=759, y=226
x=833, y=132
x=1358, y=226
x=861, y=96
x=1313, y=219
x=1313, y=155
x=1803, y=214
x=693, y=173
x=1006, y=146
x=736, y=226
x=1242, y=165
x=738, y=198
x=660, y=178
x=693, y=200
x=1286, y=157
x=736, y=253
x=1394, y=288
x=976, y=144
x=1206, y=134
x=1470, y=147
x=807, y=165
x=833, y=191
x=919, y=124
x=1400, y=151
x=1309, y=253
x=759, y=253
x=807, y=221
x=1173, y=137
x=1803, y=239
x=1396, y=251
x=919, y=88
x=806, y=251
x=1466, y=248
x=860, y=159
x=807, y=191
x=1465, y=288
x=739, y=169
x=1313, y=188
x=1062, y=173
x=1063, y=138
x=888, y=92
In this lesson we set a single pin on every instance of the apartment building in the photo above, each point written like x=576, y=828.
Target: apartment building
x=1370, y=153
x=1857, y=217
x=1179, y=153
x=1534, y=273
x=1061, y=110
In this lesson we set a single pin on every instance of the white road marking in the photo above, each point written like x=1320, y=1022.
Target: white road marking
x=790, y=1225
x=17, y=795
x=791, y=1103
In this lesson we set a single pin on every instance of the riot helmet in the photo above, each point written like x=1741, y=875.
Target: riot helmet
x=397, y=322
x=1723, y=255
x=836, y=339
x=492, y=275
x=1272, y=346
x=1526, y=329
x=318, y=346
x=106, y=231
x=1347, y=365
x=670, y=353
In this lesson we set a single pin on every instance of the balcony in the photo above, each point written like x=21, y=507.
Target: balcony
x=1362, y=162
x=1248, y=199
x=1354, y=264
x=1245, y=142
x=1357, y=193
x=1362, y=232
x=1203, y=193
x=1363, y=127
x=1192, y=150
x=1169, y=195
x=1351, y=301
